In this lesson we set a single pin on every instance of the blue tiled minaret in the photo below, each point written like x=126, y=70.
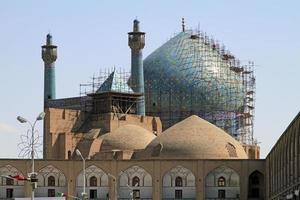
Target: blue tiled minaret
x=49, y=55
x=136, y=41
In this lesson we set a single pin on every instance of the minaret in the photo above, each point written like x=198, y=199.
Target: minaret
x=49, y=55
x=136, y=41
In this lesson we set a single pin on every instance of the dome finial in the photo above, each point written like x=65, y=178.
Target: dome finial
x=183, y=26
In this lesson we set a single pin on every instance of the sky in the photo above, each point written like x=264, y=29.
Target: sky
x=92, y=35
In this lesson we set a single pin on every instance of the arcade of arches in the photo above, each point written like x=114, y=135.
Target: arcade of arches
x=191, y=179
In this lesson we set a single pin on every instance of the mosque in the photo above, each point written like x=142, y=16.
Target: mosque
x=179, y=127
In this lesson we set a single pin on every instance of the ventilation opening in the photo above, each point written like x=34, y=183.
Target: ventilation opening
x=194, y=36
x=142, y=119
x=231, y=150
x=69, y=155
x=64, y=114
x=154, y=125
x=157, y=149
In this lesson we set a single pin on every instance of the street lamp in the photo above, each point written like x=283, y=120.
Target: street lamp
x=131, y=191
x=33, y=177
x=116, y=185
x=83, y=194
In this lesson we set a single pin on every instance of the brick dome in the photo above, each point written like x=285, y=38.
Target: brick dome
x=127, y=137
x=193, y=138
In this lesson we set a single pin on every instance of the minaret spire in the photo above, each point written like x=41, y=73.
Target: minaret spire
x=49, y=56
x=49, y=39
x=136, y=26
x=136, y=41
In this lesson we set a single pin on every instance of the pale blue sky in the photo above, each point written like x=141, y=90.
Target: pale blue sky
x=92, y=35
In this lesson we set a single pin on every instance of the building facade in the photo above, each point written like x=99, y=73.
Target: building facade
x=283, y=164
x=151, y=179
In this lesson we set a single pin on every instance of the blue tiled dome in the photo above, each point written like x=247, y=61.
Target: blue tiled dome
x=190, y=75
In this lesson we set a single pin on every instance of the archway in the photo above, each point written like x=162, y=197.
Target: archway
x=96, y=183
x=221, y=183
x=179, y=183
x=256, y=186
x=50, y=182
x=135, y=182
x=10, y=188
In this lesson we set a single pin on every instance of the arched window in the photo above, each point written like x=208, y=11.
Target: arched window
x=9, y=181
x=221, y=182
x=51, y=181
x=178, y=181
x=135, y=181
x=93, y=181
x=255, y=180
x=255, y=185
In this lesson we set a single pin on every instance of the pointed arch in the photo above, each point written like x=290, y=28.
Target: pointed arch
x=51, y=171
x=137, y=178
x=13, y=188
x=9, y=170
x=51, y=181
x=96, y=180
x=93, y=182
x=179, y=182
x=135, y=181
x=97, y=172
x=222, y=182
x=256, y=185
x=187, y=176
x=135, y=171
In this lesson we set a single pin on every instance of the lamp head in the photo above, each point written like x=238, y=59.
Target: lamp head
x=21, y=119
x=112, y=176
x=78, y=153
x=41, y=116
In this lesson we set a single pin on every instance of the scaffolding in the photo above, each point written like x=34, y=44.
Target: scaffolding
x=110, y=92
x=192, y=74
x=247, y=116
x=120, y=77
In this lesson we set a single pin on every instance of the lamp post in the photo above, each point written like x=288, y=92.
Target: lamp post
x=116, y=185
x=83, y=194
x=131, y=191
x=33, y=177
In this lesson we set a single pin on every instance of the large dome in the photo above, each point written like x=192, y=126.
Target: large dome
x=127, y=137
x=189, y=74
x=193, y=138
